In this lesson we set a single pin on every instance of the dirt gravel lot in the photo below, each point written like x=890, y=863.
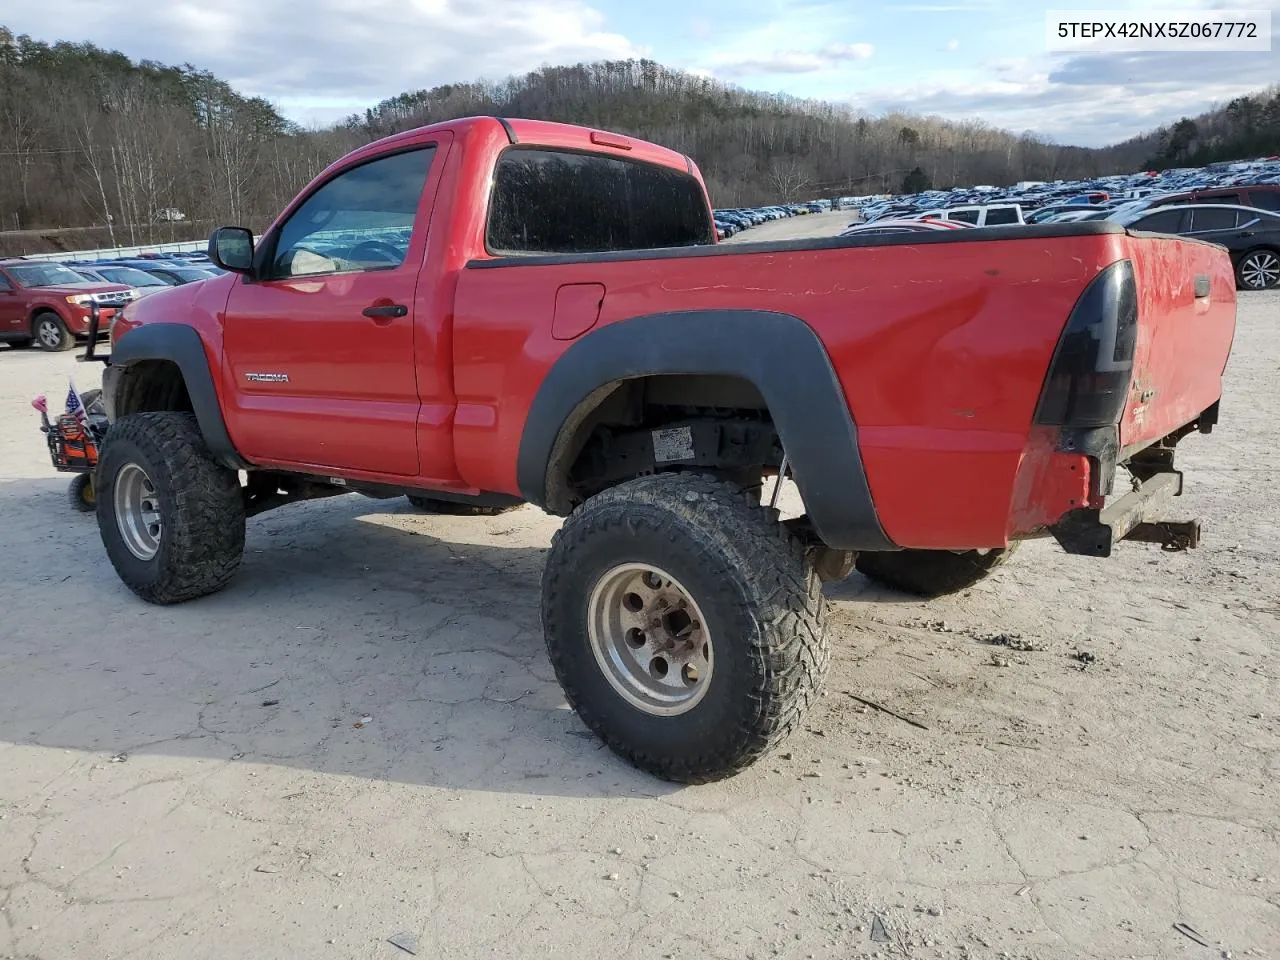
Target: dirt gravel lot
x=361, y=739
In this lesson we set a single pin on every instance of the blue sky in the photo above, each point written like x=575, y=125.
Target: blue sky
x=961, y=59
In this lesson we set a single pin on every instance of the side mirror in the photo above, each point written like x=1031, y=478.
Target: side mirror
x=231, y=248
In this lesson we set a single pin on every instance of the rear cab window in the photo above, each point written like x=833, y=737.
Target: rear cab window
x=968, y=216
x=551, y=201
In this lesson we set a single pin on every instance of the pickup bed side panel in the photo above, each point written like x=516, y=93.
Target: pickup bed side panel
x=941, y=350
x=1184, y=335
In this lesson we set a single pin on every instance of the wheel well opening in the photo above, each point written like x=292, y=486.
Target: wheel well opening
x=631, y=428
x=152, y=386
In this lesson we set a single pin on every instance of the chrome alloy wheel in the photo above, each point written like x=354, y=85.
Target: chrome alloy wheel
x=49, y=333
x=650, y=639
x=138, y=512
x=1260, y=270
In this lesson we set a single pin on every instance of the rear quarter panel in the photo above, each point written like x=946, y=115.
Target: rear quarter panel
x=941, y=349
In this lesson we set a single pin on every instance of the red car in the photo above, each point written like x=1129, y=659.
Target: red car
x=484, y=313
x=50, y=304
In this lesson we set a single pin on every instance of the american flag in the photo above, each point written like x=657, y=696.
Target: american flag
x=74, y=406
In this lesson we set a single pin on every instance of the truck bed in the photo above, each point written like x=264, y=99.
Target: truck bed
x=941, y=344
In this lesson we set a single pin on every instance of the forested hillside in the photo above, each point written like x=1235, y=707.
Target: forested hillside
x=95, y=148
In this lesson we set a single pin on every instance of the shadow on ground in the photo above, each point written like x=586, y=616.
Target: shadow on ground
x=360, y=637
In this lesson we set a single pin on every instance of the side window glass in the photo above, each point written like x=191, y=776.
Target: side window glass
x=4, y=283
x=968, y=216
x=361, y=220
x=1265, y=199
x=1166, y=221
x=1001, y=216
x=1212, y=218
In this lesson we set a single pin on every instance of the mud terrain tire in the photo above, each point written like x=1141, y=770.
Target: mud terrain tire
x=930, y=573
x=198, y=536
x=745, y=575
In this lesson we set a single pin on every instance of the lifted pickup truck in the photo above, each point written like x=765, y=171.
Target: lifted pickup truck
x=485, y=313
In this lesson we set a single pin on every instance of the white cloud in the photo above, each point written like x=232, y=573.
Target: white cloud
x=953, y=45
x=336, y=51
x=790, y=61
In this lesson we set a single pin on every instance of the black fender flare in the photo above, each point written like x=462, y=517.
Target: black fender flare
x=182, y=346
x=778, y=353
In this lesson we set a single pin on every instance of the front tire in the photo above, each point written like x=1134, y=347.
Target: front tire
x=52, y=334
x=171, y=517
x=930, y=573
x=685, y=624
x=1259, y=270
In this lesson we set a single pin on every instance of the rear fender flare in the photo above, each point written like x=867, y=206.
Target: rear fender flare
x=182, y=346
x=778, y=353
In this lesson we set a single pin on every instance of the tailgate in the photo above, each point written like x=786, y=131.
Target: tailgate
x=1186, y=322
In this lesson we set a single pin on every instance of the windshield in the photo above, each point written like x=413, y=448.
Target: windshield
x=45, y=275
x=189, y=274
x=134, y=278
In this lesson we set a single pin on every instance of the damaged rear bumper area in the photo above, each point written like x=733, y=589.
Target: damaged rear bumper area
x=1140, y=515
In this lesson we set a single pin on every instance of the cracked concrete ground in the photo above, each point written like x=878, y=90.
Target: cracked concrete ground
x=201, y=781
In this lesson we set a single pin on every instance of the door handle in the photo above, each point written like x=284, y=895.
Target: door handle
x=386, y=310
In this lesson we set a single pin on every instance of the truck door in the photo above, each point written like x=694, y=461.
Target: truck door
x=319, y=345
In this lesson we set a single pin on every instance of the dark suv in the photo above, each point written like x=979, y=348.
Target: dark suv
x=1260, y=196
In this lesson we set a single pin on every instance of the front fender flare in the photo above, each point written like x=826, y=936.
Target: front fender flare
x=182, y=346
x=778, y=353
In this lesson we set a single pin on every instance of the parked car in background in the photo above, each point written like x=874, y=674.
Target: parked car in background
x=885, y=228
x=1251, y=236
x=1261, y=196
x=179, y=274
x=50, y=304
x=980, y=215
x=141, y=281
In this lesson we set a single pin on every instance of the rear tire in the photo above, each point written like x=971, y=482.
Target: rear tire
x=458, y=509
x=930, y=573
x=171, y=517
x=753, y=625
x=1259, y=270
x=51, y=333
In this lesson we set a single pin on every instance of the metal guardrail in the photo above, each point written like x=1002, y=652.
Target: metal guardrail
x=116, y=253
x=124, y=253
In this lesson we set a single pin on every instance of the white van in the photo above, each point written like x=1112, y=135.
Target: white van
x=983, y=215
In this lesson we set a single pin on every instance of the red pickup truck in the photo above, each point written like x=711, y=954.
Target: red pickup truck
x=484, y=313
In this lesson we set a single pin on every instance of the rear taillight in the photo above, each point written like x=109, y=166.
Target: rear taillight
x=1089, y=377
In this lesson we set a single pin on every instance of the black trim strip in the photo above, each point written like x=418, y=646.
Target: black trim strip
x=778, y=353
x=975, y=235
x=511, y=134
